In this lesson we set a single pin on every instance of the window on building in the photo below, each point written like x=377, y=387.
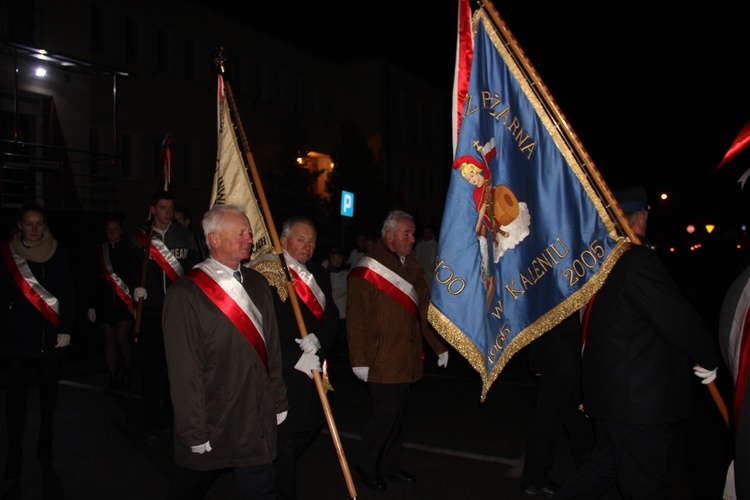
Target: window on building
x=190, y=60
x=162, y=50
x=94, y=148
x=98, y=30
x=131, y=40
x=126, y=156
x=19, y=20
x=187, y=164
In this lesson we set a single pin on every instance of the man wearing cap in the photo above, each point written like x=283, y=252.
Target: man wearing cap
x=641, y=341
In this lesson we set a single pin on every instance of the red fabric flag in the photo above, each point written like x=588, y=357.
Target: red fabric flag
x=742, y=140
x=464, y=55
x=166, y=183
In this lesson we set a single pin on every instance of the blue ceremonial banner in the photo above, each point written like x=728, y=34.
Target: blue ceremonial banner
x=525, y=240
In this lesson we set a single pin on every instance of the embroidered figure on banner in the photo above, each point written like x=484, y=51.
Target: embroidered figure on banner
x=501, y=219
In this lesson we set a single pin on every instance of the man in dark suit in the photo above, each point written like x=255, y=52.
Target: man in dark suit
x=312, y=285
x=643, y=339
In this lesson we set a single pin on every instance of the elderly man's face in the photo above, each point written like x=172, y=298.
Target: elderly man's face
x=232, y=243
x=300, y=243
x=401, y=238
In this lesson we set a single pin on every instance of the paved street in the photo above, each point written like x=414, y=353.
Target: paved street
x=456, y=446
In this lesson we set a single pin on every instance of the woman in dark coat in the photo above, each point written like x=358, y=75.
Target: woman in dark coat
x=36, y=318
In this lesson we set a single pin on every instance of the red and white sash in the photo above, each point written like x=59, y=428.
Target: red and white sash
x=45, y=302
x=119, y=286
x=739, y=349
x=232, y=299
x=306, y=287
x=388, y=282
x=162, y=255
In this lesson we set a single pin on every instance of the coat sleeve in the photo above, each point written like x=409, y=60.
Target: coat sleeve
x=361, y=339
x=260, y=293
x=428, y=332
x=185, y=362
x=329, y=329
x=658, y=299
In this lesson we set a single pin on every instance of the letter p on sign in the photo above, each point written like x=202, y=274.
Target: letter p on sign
x=347, y=204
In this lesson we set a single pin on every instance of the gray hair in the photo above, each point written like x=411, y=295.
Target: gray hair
x=392, y=220
x=286, y=227
x=215, y=216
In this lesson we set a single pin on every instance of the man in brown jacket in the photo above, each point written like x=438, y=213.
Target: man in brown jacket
x=224, y=359
x=386, y=318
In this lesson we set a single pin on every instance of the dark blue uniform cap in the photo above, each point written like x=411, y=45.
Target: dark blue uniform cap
x=632, y=199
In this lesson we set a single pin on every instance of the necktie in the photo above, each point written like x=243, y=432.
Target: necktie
x=237, y=276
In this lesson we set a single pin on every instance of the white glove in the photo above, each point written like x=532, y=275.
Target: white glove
x=63, y=340
x=708, y=376
x=280, y=417
x=443, y=359
x=201, y=448
x=140, y=293
x=307, y=363
x=361, y=372
x=310, y=344
x=91, y=313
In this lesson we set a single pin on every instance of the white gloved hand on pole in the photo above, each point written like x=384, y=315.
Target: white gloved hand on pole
x=201, y=448
x=307, y=363
x=361, y=372
x=91, y=314
x=443, y=359
x=280, y=417
x=140, y=293
x=708, y=376
x=310, y=344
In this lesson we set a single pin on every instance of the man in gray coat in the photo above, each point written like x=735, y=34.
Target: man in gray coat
x=222, y=345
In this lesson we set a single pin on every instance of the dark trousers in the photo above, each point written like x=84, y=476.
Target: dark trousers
x=157, y=403
x=290, y=446
x=382, y=439
x=18, y=374
x=636, y=457
x=558, y=397
x=254, y=482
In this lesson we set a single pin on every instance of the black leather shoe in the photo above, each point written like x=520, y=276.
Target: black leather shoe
x=403, y=477
x=547, y=490
x=375, y=483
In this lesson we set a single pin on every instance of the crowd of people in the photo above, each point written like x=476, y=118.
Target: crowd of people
x=230, y=359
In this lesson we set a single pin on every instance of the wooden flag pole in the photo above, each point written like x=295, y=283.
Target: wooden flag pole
x=556, y=114
x=144, y=275
x=289, y=285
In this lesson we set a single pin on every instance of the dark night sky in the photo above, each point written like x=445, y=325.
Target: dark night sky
x=656, y=93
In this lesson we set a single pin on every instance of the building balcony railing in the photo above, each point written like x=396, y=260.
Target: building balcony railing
x=60, y=179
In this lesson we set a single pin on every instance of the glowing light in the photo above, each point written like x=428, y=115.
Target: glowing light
x=710, y=228
x=663, y=196
x=690, y=229
x=40, y=72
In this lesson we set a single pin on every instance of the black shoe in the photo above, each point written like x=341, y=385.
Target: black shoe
x=547, y=490
x=44, y=447
x=152, y=438
x=402, y=477
x=126, y=379
x=375, y=483
x=10, y=489
x=112, y=384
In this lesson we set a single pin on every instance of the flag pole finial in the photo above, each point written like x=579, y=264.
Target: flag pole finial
x=219, y=59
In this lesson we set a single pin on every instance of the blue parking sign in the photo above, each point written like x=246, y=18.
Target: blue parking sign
x=347, y=204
